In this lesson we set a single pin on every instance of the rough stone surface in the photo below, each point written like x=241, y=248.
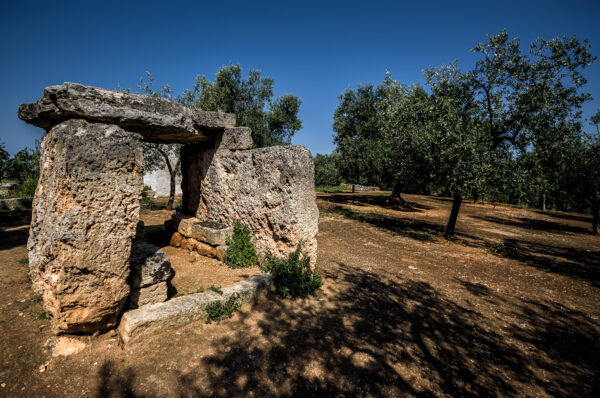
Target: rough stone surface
x=152, y=294
x=156, y=119
x=269, y=189
x=149, y=265
x=208, y=120
x=84, y=218
x=65, y=345
x=180, y=310
x=212, y=233
x=221, y=251
x=235, y=138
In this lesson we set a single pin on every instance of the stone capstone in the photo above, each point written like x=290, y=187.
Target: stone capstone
x=269, y=189
x=156, y=293
x=149, y=265
x=156, y=119
x=84, y=218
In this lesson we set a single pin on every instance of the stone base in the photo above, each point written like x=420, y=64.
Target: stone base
x=184, y=309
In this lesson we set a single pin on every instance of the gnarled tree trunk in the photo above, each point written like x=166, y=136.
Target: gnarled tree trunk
x=453, y=215
x=595, y=216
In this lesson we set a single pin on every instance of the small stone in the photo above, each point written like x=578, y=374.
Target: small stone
x=42, y=368
x=221, y=251
x=149, y=265
x=148, y=295
x=213, y=233
x=65, y=346
x=3, y=385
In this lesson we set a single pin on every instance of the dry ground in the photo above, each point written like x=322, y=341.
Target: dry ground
x=509, y=308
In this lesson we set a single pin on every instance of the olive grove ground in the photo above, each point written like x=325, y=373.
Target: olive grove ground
x=510, y=307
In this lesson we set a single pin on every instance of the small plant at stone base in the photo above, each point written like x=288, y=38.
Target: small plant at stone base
x=43, y=315
x=218, y=311
x=216, y=289
x=24, y=261
x=241, y=252
x=293, y=276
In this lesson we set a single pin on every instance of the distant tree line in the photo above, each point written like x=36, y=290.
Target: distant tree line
x=22, y=169
x=509, y=130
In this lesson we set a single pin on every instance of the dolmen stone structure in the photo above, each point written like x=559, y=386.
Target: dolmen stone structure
x=86, y=206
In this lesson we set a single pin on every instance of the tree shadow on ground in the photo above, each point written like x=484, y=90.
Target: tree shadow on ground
x=577, y=263
x=384, y=337
x=18, y=222
x=382, y=201
x=565, y=216
x=415, y=229
x=534, y=224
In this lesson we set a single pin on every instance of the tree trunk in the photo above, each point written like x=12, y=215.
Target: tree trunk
x=544, y=201
x=172, y=174
x=595, y=216
x=453, y=215
x=352, y=188
x=396, y=196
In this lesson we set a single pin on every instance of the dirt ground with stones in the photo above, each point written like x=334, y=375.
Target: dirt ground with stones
x=509, y=308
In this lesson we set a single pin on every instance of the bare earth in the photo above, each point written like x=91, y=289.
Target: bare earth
x=510, y=307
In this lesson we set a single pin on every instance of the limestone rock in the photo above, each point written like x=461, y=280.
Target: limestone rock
x=156, y=119
x=269, y=189
x=235, y=138
x=152, y=294
x=213, y=120
x=221, y=251
x=137, y=323
x=149, y=265
x=212, y=233
x=85, y=213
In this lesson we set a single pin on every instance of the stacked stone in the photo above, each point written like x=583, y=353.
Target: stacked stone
x=86, y=206
x=150, y=273
x=207, y=238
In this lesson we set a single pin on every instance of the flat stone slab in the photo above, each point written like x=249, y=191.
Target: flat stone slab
x=211, y=232
x=155, y=119
x=184, y=309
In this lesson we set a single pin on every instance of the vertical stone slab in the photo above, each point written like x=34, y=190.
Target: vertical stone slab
x=85, y=212
x=269, y=189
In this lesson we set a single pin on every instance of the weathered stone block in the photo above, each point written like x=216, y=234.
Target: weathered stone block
x=152, y=294
x=156, y=119
x=149, y=265
x=208, y=120
x=269, y=189
x=85, y=213
x=235, y=138
x=212, y=233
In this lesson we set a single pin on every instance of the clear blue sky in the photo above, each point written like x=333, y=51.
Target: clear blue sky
x=314, y=50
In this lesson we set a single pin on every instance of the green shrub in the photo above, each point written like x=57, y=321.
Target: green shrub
x=147, y=188
x=24, y=261
x=293, y=276
x=218, y=311
x=240, y=253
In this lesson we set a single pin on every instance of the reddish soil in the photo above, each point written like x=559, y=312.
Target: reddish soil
x=192, y=272
x=510, y=307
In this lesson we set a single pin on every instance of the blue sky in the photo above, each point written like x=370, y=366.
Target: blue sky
x=314, y=50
